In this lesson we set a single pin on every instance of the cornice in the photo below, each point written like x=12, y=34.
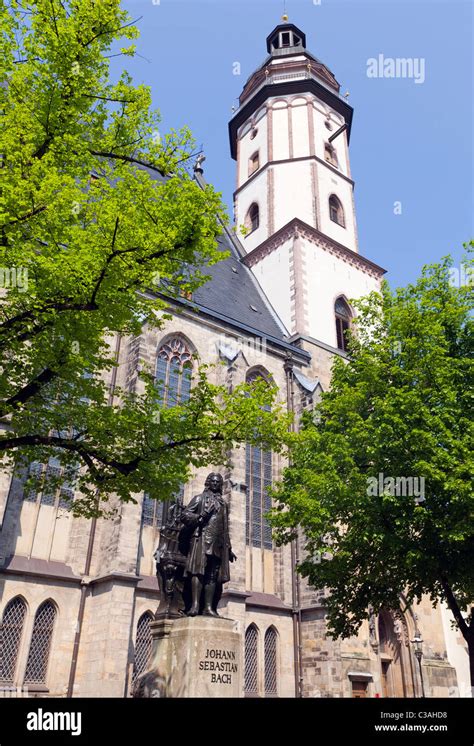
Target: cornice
x=298, y=228
x=309, y=158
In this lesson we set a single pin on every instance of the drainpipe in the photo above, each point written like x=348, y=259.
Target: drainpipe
x=295, y=580
x=90, y=547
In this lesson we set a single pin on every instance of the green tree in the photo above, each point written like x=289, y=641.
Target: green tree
x=96, y=209
x=401, y=406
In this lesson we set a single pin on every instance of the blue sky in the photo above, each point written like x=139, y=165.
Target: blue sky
x=411, y=143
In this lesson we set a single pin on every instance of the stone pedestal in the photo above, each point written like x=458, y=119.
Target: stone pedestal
x=193, y=657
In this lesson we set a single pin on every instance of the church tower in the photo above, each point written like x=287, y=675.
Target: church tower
x=295, y=195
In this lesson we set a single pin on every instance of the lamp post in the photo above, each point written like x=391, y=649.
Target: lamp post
x=418, y=643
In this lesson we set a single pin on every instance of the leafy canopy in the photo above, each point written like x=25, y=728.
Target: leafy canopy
x=401, y=406
x=96, y=209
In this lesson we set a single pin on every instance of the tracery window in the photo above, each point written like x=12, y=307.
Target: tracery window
x=173, y=372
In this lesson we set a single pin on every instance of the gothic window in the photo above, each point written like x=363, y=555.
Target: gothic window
x=142, y=645
x=251, y=661
x=336, y=213
x=258, y=475
x=252, y=220
x=343, y=322
x=11, y=629
x=254, y=163
x=383, y=637
x=173, y=372
x=270, y=656
x=152, y=512
x=40, y=646
x=330, y=155
x=59, y=492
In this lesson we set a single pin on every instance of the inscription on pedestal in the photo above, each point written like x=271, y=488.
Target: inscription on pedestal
x=221, y=664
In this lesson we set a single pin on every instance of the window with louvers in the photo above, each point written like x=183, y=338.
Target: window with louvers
x=270, y=655
x=142, y=645
x=251, y=661
x=40, y=646
x=11, y=630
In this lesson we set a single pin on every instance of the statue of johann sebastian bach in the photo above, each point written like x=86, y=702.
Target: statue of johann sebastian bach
x=207, y=561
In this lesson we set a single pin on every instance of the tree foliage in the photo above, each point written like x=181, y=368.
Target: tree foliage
x=101, y=225
x=400, y=407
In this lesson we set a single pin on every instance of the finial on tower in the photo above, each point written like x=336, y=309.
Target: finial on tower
x=284, y=18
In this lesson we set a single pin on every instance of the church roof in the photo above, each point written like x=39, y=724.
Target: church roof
x=233, y=296
x=233, y=293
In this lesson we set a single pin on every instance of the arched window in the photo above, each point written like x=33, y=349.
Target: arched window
x=173, y=372
x=336, y=213
x=11, y=630
x=40, y=646
x=330, y=155
x=142, y=645
x=270, y=656
x=258, y=476
x=252, y=220
x=60, y=492
x=152, y=511
x=251, y=661
x=254, y=163
x=383, y=637
x=343, y=322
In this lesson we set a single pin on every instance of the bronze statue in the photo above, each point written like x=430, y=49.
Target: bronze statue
x=170, y=558
x=210, y=551
x=193, y=554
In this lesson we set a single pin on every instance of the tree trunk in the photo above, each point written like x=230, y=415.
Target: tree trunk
x=470, y=647
x=466, y=629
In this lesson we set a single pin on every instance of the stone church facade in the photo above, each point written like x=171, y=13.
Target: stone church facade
x=77, y=595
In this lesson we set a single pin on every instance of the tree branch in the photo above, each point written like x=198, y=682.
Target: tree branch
x=127, y=159
x=28, y=391
x=453, y=605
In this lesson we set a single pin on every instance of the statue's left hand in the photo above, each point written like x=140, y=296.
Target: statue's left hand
x=232, y=556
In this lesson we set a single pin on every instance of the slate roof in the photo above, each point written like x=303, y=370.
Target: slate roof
x=233, y=295
x=233, y=292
